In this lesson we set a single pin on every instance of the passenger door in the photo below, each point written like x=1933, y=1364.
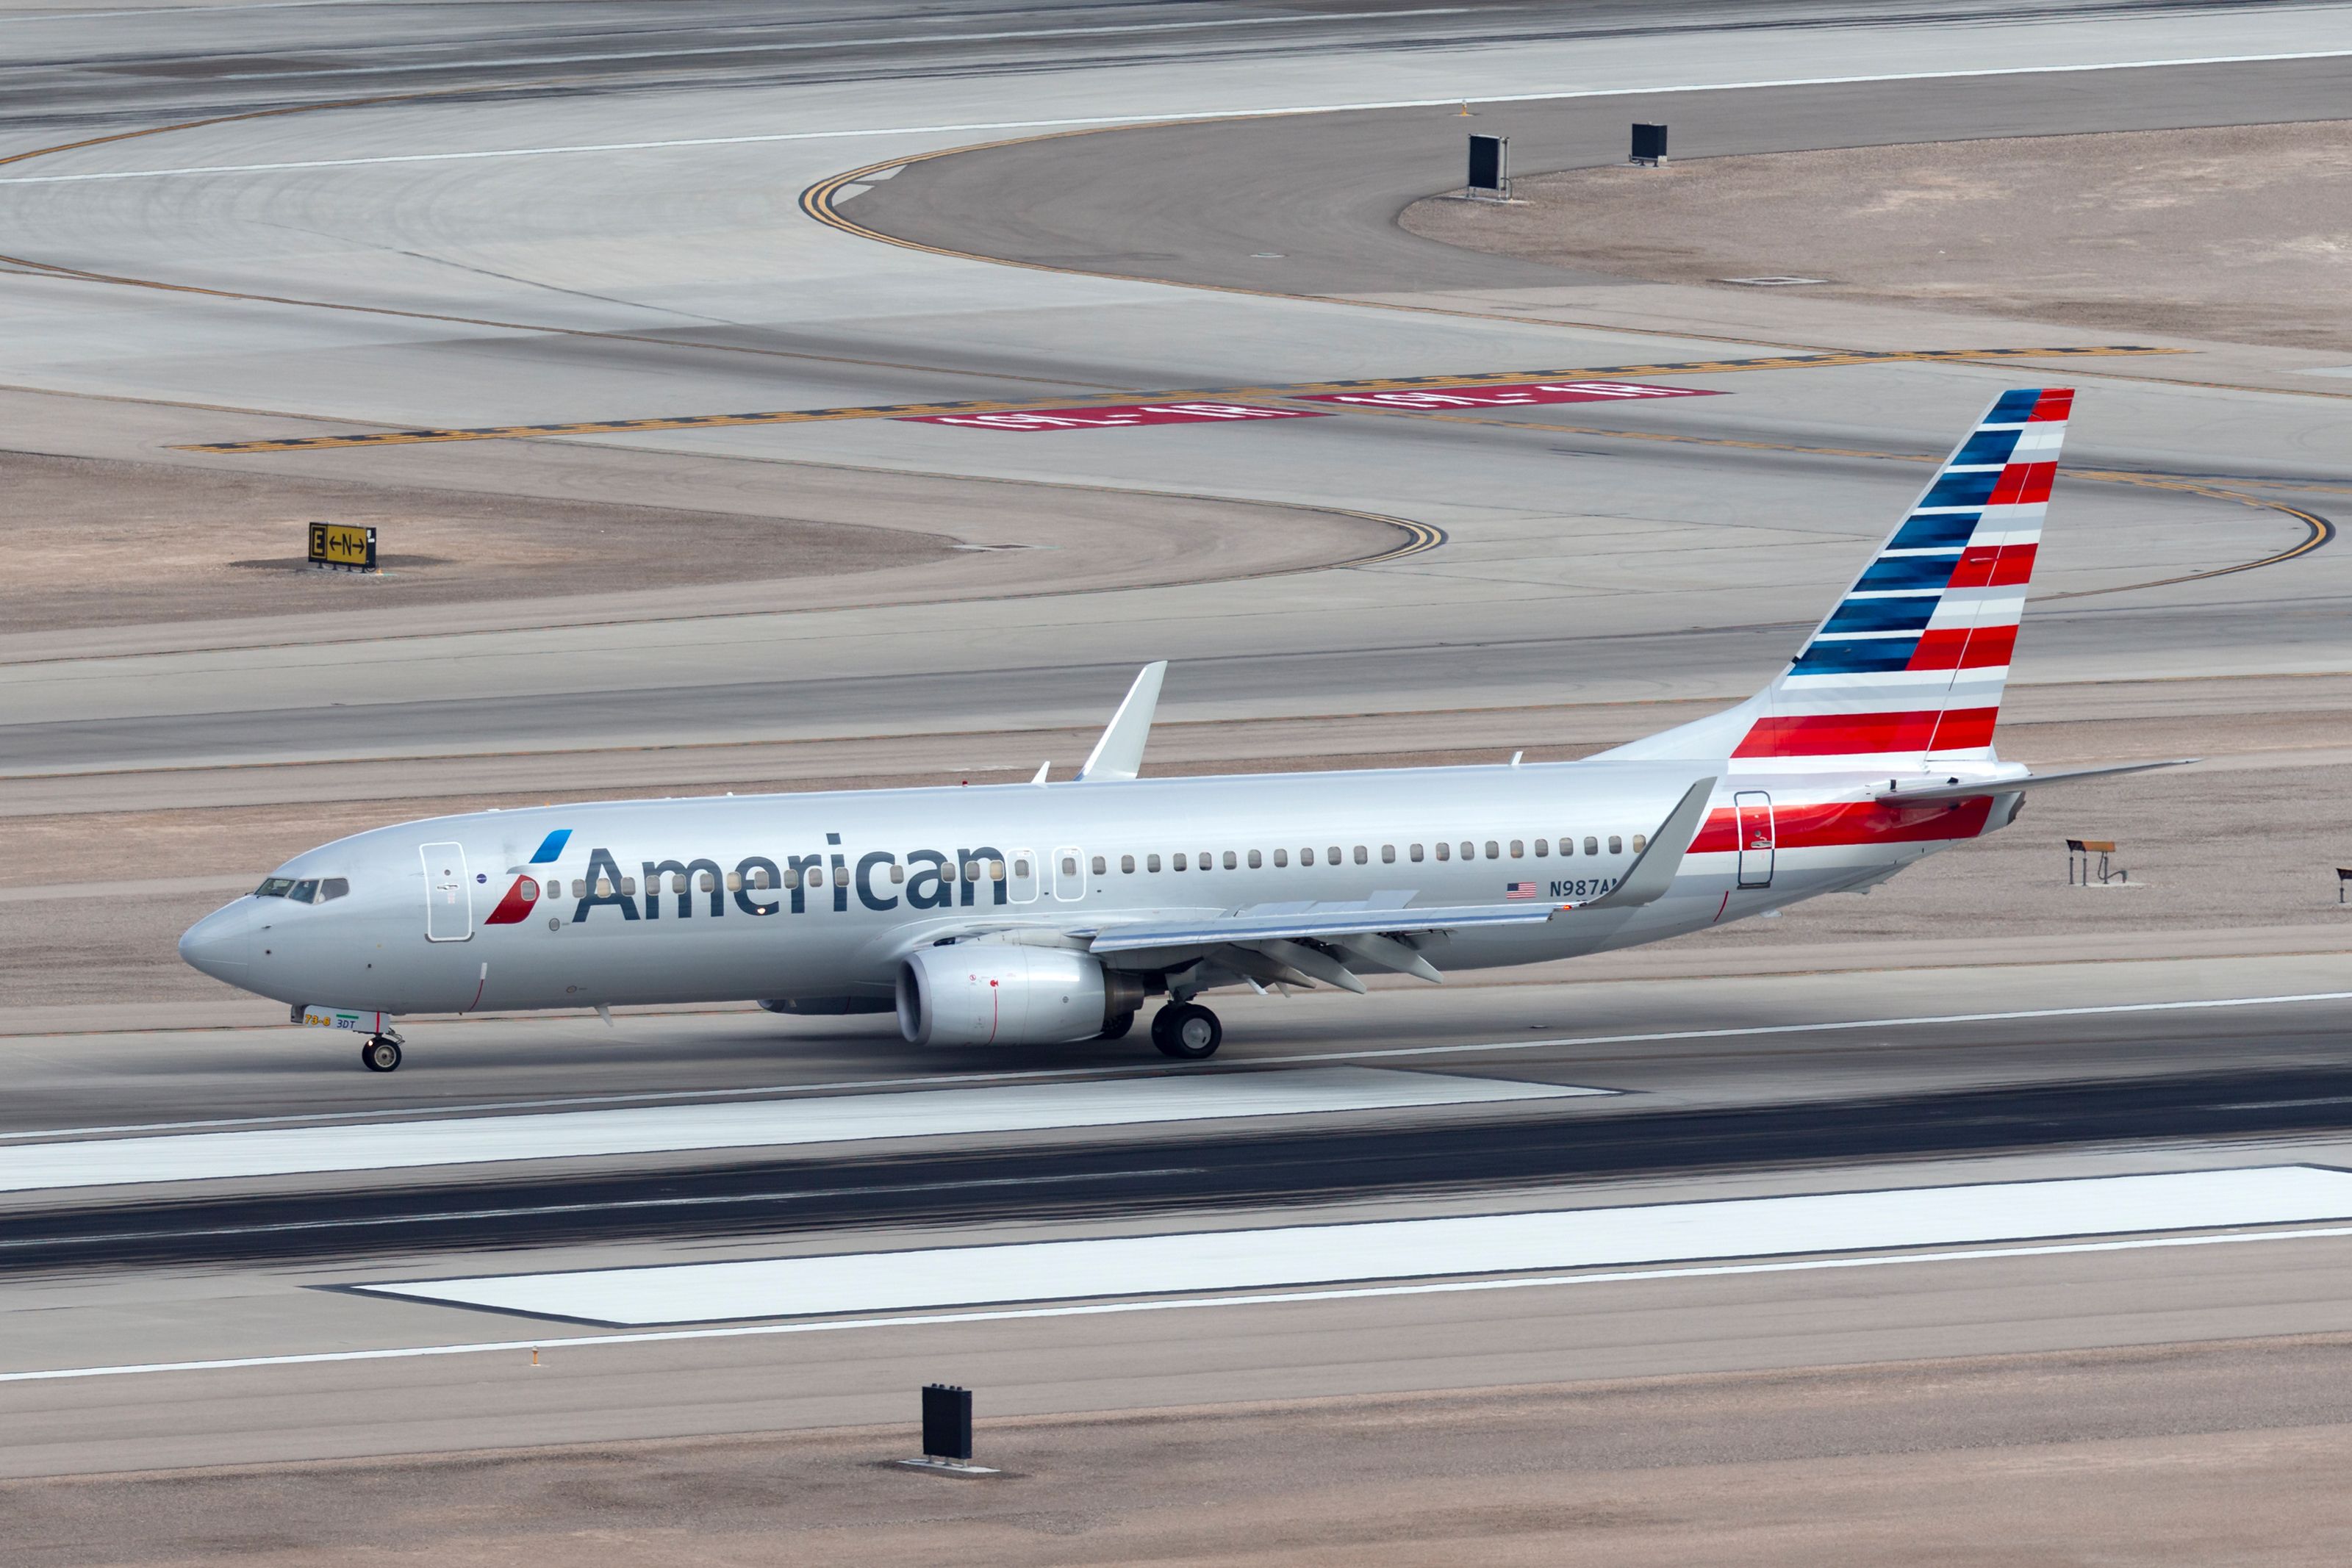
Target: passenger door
x=1757, y=842
x=1021, y=882
x=448, y=896
x=1069, y=873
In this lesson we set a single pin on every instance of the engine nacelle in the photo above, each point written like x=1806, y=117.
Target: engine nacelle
x=996, y=993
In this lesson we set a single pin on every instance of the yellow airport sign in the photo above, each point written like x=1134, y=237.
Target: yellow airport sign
x=345, y=547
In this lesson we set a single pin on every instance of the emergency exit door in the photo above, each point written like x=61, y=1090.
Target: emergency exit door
x=448, y=896
x=1756, y=839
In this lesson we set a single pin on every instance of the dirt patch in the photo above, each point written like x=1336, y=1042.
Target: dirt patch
x=2241, y=233
x=2187, y=1454
x=92, y=543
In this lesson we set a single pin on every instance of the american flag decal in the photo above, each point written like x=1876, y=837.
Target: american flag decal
x=1518, y=890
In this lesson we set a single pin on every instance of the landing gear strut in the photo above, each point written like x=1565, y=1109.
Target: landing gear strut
x=1187, y=1031
x=381, y=1053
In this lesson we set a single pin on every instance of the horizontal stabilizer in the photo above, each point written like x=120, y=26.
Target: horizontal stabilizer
x=1974, y=789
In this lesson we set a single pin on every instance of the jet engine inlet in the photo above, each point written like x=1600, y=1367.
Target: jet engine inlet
x=987, y=993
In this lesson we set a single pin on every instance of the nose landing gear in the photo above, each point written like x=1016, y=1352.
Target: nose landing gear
x=381, y=1053
x=1187, y=1031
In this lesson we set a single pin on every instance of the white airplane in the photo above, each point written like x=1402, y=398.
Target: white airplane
x=1051, y=912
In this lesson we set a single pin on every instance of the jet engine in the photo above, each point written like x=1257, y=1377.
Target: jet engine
x=991, y=993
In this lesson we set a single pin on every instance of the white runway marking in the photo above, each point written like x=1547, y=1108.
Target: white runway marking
x=1047, y=1074
x=1191, y=1303
x=930, y=1278
x=822, y=1119
x=1084, y=121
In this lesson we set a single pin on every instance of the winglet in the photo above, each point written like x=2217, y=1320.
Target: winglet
x=1119, y=753
x=1654, y=869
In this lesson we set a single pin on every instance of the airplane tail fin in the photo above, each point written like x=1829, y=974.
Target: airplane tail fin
x=1907, y=670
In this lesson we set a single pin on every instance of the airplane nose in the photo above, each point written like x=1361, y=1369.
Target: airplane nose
x=221, y=944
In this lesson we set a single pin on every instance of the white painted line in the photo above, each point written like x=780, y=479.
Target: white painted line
x=1084, y=121
x=1047, y=1074
x=838, y=1118
x=810, y=45
x=1292, y=1256
x=1191, y=1303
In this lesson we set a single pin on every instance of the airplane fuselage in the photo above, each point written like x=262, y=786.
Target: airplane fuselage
x=822, y=895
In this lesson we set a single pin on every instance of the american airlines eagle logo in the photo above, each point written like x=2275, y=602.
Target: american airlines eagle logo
x=522, y=893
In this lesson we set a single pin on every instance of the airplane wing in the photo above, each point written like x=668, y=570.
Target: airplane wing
x=1967, y=789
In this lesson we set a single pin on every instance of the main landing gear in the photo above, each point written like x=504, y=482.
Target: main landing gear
x=1187, y=1031
x=381, y=1053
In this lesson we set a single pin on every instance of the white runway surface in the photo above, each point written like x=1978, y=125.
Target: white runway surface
x=931, y=1278
x=760, y=1123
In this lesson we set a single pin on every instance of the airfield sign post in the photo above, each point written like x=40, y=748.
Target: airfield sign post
x=1490, y=168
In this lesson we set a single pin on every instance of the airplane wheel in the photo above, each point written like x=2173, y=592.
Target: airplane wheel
x=1117, y=1029
x=1187, y=1031
x=380, y=1055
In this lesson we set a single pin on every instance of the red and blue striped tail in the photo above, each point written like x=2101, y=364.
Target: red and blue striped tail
x=1909, y=668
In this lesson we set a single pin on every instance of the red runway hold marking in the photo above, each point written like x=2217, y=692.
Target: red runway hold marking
x=1508, y=396
x=1115, y=415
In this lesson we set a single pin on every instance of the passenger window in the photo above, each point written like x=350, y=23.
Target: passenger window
x=1306, y=857
x=1414, y=854
x=1543, y=848
x=1387, y=855
x=1518, y=850
x=996, y=871
x=1127, y=864
x=1281, y=858
x=735, y=883
x=1445, y=851
x=1363, y=856
x=629, y=886
x=1230, y=861
x=334, y=887
x=709, y=882
x=1021, y=868
x=1176, y=862
x=1494, y=851
x=1616, y=845
x=1257, y=859
x=1099, y=867
x=792, y=877
x=1591, y=845
x=578, y=887
x=1469, y=850
x=898, y=871
x=1640, y=844
x=1335, y=854
x=1069, y=866
x=1152, y=863
x=817, y=876
x=1567, y=843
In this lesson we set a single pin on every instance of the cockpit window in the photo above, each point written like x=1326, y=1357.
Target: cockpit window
x=310, y=890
